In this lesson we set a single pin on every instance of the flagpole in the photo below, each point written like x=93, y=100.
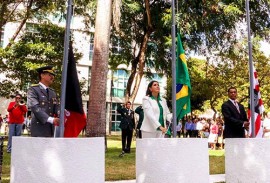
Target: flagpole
x=251, y=72
x=173, y=71
x=61, y=128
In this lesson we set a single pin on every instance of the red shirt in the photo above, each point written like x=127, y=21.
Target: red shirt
x=16, y=114
x=214, y=129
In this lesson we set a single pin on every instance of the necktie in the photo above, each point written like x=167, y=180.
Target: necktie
x=47, y=90
x=237, y=107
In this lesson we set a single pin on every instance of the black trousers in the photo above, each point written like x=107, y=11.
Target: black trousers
x=189, y=132
x=126, y=139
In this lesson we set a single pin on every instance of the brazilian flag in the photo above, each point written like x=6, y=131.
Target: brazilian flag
x=183, y=87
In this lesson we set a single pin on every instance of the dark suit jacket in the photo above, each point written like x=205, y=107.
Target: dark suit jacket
x=233, y=120
x=139, y=110
x=127, y=118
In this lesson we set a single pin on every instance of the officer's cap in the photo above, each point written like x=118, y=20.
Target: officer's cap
x=46, y=69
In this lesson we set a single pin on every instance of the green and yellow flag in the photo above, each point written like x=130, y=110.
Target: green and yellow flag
x=183, y=87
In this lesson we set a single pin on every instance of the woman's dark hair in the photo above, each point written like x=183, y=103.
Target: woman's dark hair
x=17, y=94
x=148, y=92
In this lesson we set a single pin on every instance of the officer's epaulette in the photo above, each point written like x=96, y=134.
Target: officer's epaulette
x=35, y=85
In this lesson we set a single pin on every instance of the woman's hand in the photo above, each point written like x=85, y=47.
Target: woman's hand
x=163, y=129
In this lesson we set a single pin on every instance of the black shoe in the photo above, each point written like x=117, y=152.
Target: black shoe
x=122, y=154
x=127, y=150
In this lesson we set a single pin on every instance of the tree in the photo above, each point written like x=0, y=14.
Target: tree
x=21, y=11
x=24, y=53
x=231, y=69
x=20, y=60
x=206, y=26
x=33, y=50
x=201, y=85
x=96, y=123
x=142, y=36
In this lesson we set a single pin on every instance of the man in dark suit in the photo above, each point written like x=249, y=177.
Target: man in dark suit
x=43, y=103
x=139, y=110
x=235, y=116
x=127, y=125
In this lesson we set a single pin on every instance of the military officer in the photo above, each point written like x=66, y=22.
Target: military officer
x=44, y=104
x=127, y=125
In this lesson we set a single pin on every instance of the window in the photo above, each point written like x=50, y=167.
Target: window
x=89, y=80
x=120, y=79
x=2, y=36
x=116, y=49
x=116, y=117
x=91, y=49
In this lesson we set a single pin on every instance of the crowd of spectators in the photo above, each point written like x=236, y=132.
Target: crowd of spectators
x=203, y=128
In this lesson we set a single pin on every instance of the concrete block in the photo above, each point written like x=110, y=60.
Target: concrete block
x=57, y=160
x=164, y=160
x=247, y=160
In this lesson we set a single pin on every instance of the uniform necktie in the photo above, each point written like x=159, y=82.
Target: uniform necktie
x=237, y=107
x=47, y=90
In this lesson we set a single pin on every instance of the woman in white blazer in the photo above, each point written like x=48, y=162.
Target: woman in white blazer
x=156, y=113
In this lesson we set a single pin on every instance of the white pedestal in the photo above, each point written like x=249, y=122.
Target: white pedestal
x=172, y=160
x=247, y=160
x=57, y=160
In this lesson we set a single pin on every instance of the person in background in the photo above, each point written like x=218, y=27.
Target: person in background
x=266, y=126
x=127, y=126
x=212, y=139
x=189, y=128
x=220, y=134
x=6, y=124
x=139, y=111
x=179, y=128
x=199, y=127
x=16, y=109
x=195, y=131
x=156, y=113
x=43, y=103
x=206, y=133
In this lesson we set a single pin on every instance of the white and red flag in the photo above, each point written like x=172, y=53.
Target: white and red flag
x=258, y=105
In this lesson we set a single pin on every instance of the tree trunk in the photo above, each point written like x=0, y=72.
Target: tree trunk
x=137, y=65
x=96, y=122
x=27, y=15
x=213, y=108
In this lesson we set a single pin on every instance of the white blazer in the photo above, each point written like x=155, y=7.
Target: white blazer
x=151, y=114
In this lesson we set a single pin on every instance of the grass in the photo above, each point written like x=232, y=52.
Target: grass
x=124, y=168
x=5, y=165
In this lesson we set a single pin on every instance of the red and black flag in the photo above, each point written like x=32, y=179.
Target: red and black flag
x=75, y=119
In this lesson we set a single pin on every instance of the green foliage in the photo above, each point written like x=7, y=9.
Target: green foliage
x=213, y=23
x=133, y=25
x=202, y=87
x=206, y=27
x=231, y=68
x=33, y=50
